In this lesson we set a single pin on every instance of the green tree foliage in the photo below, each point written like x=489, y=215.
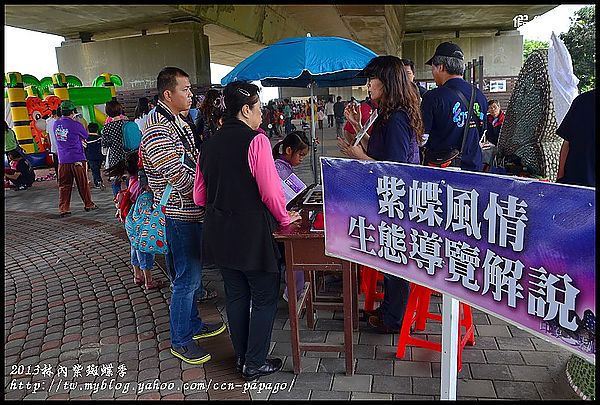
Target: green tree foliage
x=580, y=41
x=530, y=45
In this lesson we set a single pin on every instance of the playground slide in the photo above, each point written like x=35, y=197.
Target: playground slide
x=100, y=116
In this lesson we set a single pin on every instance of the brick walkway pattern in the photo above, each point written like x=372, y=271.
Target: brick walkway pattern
x=70, y=301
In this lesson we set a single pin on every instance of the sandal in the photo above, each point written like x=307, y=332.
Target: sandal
x=154, y=284
x=138, y=280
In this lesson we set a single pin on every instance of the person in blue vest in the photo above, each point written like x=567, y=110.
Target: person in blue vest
x=445, y=113
x=396, y=137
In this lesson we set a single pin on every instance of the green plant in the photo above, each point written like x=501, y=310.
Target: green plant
x=580, y=41
x=530, y=45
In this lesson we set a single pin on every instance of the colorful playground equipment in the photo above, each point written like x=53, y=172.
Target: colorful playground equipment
x=31, y=101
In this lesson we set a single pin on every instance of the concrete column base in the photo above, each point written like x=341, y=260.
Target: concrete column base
x=137, y=60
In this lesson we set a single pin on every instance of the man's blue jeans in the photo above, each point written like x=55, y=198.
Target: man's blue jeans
x=184, y=262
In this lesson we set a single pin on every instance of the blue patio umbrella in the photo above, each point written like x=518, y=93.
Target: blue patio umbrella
x=305, y=62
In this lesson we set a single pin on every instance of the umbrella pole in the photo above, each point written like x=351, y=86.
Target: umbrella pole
x=312, y=126
x=322, y=143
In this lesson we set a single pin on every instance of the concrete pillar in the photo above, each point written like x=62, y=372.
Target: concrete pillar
x=137, y=60
x=502, y=51
x=394, y=16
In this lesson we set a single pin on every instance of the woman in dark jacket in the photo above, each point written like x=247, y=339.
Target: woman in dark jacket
x=237, y=182
x=112, y=138
x=210, y=117
x=396, y=137
x=495, y=119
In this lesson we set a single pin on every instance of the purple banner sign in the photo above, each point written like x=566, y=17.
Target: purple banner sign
x=523, y=250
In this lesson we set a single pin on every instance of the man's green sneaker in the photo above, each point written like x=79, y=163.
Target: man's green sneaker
x=191, y=353
x=209, y=330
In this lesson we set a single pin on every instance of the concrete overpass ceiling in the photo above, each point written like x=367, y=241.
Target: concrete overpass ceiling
x=370, y=31
x=361, y=9
x=264, y=24
x=319, y=20
x=366, y=23
x=464, y=17
x=361, y=23
x=69, y=21
x=227, y=47
x=338, y=20
x=236, y=31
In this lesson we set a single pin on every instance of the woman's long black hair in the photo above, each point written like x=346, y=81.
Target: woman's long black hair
x=399, y=92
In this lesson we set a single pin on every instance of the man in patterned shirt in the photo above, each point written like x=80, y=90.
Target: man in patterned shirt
x=166, y=138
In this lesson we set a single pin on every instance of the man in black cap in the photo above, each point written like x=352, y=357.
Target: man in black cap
x=445, y=111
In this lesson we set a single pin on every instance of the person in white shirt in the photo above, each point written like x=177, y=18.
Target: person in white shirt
x=321, y=117
x=142, y=110
x=52, y=136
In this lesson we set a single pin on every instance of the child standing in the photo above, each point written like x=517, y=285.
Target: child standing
x=142, y=262
x=289, y=153
x=93, y=153
x=321, y=117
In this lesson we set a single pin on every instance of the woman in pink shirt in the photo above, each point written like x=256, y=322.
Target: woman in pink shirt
x=236, y=181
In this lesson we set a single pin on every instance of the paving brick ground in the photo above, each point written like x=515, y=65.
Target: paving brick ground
x=70, y=301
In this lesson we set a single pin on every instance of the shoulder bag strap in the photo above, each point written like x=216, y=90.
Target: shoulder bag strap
x=187, y=148
x=168, y=189
x=468, y=123
x=464, y=100
x=470, y=110
x=182, y=136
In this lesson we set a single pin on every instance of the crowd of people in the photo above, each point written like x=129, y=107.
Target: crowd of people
x=278, y=114
x=229, y=196
x=209, y=161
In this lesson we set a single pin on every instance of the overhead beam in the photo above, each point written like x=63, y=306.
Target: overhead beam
x=395, y=16
x=262, y=24
x=382, y=28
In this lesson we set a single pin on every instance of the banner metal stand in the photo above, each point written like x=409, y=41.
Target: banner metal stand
x=450, y=332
